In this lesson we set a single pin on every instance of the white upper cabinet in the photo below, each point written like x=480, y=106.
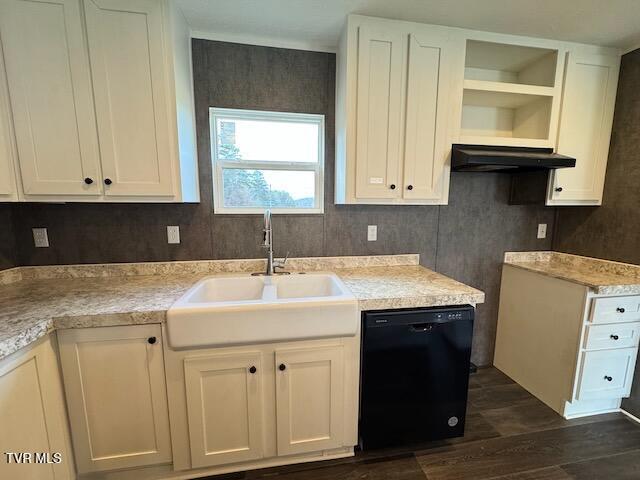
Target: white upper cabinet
x=511, y=91
x=590, y=86
x=101, y=96
x=50, y=88
x=392, y=136
x=381, y=68
x=8, y=190
x=130, y=82
x=426, y=138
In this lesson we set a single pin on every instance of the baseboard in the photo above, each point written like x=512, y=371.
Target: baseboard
x=632, y=417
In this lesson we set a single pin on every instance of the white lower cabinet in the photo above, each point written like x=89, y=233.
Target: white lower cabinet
x=574, y=350
x=309, y=399
x=225, y=408
x=244, y=407
x=32, y=415
x=115, y=387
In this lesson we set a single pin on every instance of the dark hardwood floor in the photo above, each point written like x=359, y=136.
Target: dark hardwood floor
x=510, y=435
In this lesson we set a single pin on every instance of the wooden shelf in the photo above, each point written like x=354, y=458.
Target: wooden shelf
x=504, y=141
x=503, y=87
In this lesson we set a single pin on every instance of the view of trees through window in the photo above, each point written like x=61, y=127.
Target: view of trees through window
x=250, y=188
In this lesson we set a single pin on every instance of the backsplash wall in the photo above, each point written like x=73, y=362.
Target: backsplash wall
x=465, y=239
x=612, y=231
x=8, y=256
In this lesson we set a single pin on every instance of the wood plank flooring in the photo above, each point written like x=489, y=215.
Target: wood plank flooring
x=510, y=435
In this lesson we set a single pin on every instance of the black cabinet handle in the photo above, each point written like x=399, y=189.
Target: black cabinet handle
x=253, y=369
x=88, y=180
x=151, y=340
x=282, y=367
x=620, y=309
x=392, y=186
x=614, y=337
x=410, y=187
x=558, y=189
x=108, y=181
x=608, y=378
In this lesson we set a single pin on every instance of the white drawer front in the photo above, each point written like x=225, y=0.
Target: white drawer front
x=606, y=374
x=616, y=309
x=615, y=335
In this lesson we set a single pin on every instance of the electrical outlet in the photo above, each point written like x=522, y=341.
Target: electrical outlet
x=40, y=237
x=173, y=234
x=542, y=230
x=372, y=233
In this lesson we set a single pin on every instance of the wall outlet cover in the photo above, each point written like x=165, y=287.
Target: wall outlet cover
x=40, y=237
x=542, y=230
x=372, y=233
x=173, y=234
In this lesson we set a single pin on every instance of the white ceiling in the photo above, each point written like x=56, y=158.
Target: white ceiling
x=316, y=24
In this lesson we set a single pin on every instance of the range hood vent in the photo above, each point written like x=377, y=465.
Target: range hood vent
x=483, y=158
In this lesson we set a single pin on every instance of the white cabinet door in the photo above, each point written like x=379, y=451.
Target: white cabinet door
x=115, y=386
x=309, y=399
x=32, y=415
x=426, y=146
x=51, y=99
x=128, y=64
x=380, y=99
x=7, y=154
x=224, y=406
x=585, y=128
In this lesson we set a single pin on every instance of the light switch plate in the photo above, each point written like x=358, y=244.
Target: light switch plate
x=40, y=237
x=372, y=233
x=173, y=234
x=542, y=230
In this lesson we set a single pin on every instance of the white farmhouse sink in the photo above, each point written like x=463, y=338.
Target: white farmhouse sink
x=241, y=309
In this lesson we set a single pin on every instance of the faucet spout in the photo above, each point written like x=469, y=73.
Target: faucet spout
x=268, y=241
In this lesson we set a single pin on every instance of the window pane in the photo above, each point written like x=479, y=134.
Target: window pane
x=263, y=140
x=268, y=188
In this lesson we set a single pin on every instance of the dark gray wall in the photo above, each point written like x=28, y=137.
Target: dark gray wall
x=465, y=239
x=612, y=231
x=7, y=239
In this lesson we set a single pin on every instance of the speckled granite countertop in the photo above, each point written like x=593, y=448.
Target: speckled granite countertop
x=602, y=276
x=36, y=300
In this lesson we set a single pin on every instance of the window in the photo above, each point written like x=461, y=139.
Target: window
x=267, y=160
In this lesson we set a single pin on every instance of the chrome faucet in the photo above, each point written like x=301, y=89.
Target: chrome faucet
x=272, y=265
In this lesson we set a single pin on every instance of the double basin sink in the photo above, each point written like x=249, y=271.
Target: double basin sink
x=243, y=309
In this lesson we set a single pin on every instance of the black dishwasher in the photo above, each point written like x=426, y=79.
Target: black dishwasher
x=415, y=375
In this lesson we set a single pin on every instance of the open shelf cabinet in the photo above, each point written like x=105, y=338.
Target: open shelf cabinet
x=509, y=94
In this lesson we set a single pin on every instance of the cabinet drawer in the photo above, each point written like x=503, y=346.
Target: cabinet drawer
x=616, y=309
x=616, y=335
x=606, y=374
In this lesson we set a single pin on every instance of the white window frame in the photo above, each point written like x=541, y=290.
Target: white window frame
x=256, y=164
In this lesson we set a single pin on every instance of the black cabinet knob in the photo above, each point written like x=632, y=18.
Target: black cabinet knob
x=410, y=187
x=253, y=370
x=614, y=337
x=108, y=181
x=151, y=340
x=88, y=181
x=620, y=309
x=392, y=186
x=608, y=378
x=282, y=367
x=558, y=189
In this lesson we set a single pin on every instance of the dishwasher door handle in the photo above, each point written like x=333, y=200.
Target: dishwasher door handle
x=421, y=327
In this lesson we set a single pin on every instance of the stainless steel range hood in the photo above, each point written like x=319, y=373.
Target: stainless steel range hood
x=483, y=158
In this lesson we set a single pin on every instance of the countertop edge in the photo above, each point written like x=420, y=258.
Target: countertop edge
x=612, y=289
